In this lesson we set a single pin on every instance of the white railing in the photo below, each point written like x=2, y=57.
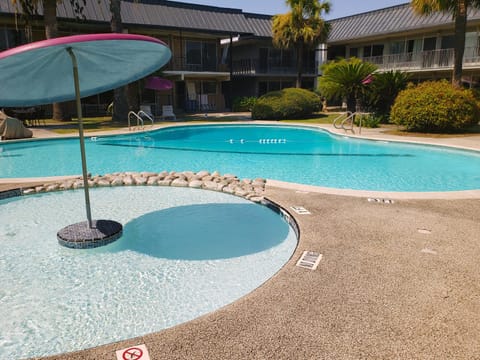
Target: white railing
x=424, y=60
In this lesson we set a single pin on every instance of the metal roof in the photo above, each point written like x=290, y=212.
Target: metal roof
x=390, y=20
x=178, y=15
x=169, y=14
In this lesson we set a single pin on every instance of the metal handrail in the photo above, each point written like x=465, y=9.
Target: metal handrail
x=148, y=116
x=335, y=125
x=137, y=116
x=350, y=117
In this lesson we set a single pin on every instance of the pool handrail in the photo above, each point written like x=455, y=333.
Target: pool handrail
x=139, y=117
x=350, y=117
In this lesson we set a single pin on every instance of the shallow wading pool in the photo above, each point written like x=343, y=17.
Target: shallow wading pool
x=184, y=252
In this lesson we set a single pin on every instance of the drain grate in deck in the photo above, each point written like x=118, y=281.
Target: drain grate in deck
x=384, y=201
x=300, y=210
x=309, y=260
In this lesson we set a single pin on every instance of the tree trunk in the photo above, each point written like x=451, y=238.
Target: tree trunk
x=298, y=83
x=460, y=29
x=352, y=103
x=51, y=31
x=120, y=99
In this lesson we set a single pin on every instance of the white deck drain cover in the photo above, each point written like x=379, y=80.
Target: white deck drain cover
x=309, y=260
x=424, y=231
x=300, y=210
x=385, y=201
x=428, y=251
x=138, y=352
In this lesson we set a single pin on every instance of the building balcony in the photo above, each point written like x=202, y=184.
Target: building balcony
x=251, y=67
x=442, y=59
x=182, y=64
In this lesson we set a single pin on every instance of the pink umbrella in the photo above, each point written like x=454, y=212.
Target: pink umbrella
x=157, y=83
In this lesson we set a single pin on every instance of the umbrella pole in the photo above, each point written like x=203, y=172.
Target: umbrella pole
x=80, y=131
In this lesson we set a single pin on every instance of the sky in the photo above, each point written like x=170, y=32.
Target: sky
x=340, y=8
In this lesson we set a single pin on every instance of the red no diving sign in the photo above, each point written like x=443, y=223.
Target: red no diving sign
x=138, y=352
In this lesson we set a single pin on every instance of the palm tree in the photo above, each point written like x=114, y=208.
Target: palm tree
x=302, y=28
x=381, y=93
x=345, y=79
x=120, y=100
x=458, y=9
x=29, y=8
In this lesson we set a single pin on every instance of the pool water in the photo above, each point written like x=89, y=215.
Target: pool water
x=184, y=252
x=294, y=154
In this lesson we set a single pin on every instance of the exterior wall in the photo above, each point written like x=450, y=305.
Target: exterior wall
x=425, y=54
x=206, y=85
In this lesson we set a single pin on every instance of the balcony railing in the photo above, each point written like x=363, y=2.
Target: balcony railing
x=251, y=66
x=181, y=64
x=425, y=60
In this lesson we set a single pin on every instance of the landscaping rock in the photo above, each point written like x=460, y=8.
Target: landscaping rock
x=195, y=184
x=179, y=182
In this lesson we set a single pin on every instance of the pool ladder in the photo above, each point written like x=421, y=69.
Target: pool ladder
x=349, y=122
x=139, y=117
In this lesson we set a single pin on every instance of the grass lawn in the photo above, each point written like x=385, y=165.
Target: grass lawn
x=89, y=125
x=106, y=123
x=320, y=118
x=394, y=130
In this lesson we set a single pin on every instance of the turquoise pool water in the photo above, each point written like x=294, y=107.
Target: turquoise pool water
x=293, y=154
x=183, y=253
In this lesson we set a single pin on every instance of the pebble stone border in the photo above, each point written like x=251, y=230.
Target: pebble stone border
x=249, y=189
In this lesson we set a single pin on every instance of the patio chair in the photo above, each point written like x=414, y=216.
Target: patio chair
x=167, y=112
x=147, y=109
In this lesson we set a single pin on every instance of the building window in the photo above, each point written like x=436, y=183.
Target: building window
x=373, y=50
x=354, y=52
x=274, y=85
x=377, y=50
x=414, y=45
x=280, y=58
x=194, y=53
x=10, y=38
x=397, y=47
x=448, y=42
x=201, y=56
x=209, y=87
x=429, y=43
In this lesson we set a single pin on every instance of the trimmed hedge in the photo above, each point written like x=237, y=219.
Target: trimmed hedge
x=242, y=104
x=435, y=106
x=291, y=103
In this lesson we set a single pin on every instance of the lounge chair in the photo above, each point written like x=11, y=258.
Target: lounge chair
x=167, y=112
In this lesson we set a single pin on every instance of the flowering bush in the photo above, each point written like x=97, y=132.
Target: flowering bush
x=435, y=106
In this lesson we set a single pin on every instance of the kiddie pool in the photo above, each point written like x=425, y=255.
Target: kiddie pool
x=184, y=252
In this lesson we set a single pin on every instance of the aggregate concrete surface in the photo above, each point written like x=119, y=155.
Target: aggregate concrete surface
x=397, y=281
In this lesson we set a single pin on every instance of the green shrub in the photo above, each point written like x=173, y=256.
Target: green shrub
x=242, y=104
x=435, y=106
x=368, y=121
x=291, y=103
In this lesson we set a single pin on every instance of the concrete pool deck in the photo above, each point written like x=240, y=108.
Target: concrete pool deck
x=397, y=280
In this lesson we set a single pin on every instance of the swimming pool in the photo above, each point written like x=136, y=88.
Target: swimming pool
x=184, y=252
x=294, y=154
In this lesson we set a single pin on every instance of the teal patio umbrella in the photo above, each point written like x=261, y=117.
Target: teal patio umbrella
x=69, y=68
